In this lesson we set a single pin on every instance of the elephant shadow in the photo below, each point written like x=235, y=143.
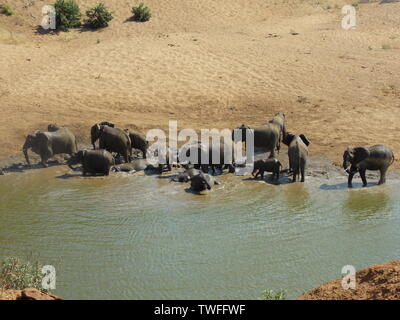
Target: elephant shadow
x=343, y=186
x=269, y=179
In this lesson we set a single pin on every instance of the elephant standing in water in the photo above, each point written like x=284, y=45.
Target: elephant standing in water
x=298, y=154
x=378, y=157
x=56, y=140
x=93, y=161
x=113, y=140
x=269, y=165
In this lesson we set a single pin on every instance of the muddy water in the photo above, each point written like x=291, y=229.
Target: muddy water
x=131, y=236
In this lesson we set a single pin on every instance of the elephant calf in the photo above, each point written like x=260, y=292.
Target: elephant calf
x=56, y=140
x=93, y=161
x=269, y=165
x=378, y=157
x=298, y=154
x=202, y=181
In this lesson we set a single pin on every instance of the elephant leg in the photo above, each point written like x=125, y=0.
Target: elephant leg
x=363, y=177
x=257, y=174
x=43, y=160
x=351, y=175
x=382, y=179
x=160, y=169
x=204, y=168
x=302, y=169
x=262, y=174
x=295, y=173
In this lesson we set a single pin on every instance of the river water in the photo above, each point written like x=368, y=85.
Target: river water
x=132, y=236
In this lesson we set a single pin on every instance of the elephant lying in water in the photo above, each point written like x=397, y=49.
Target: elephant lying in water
x=202, y=181
x=93, y=161
x=378, y=157
x=187, y=175
x=46, y=144
x=134, y=166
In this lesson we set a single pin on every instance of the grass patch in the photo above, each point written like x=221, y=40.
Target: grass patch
x=272, y=295
x=386, y=47
x=141, y=13
x=17, y=274
x=98, y=17
x=6, y=9
x=68, y=14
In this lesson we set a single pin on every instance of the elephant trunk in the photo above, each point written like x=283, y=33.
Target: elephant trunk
x=25, y=151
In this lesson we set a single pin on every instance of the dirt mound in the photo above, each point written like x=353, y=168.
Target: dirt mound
x=378, y=282
x=26, y=294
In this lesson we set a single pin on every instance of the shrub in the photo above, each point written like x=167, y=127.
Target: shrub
x=68, y=14
x=18, y=275
x=6, y=9
x=98, y=17
x=271, y=295
x=141, y=13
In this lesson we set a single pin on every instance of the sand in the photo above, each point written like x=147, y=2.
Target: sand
x=378, y=282
x=209, y=63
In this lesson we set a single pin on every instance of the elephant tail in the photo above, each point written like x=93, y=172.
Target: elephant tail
x=392, y=158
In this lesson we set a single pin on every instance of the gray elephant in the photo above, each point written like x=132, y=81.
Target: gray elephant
x=186, y=175
x=95, y=132
x=93, y=161
x=269, y=165
x=138, y=141
x=266, y=137
x=202, y=181
x=114, y=140
x=279, y=120
x=49, y=143
x=378, y=157
x=134, y=166
x=298, y=154
x=207, y=157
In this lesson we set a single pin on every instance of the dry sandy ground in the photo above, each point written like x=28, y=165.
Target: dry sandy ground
x=209, y=63
x=378, y=282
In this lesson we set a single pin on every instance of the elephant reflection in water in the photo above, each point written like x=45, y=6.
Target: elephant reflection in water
x=361, y=204
x=297, y=196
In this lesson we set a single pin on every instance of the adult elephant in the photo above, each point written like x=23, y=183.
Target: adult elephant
x=360, y=159
x=213, y=156
x=114, y=140
x=95, y=131
x=279, y=120
x=298, y=154
x=138, y=141
x=49, y=143
x=266, y=137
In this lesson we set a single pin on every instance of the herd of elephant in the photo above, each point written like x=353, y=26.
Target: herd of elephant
x=267, y=138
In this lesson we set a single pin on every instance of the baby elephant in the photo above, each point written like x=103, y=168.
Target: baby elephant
x=270, y=165
x=93, y=161
x=298, y=154
x=202, y=181
x=378, y=157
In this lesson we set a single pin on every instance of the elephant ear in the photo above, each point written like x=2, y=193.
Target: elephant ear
x=287, y=139
x=305, y=140
x=360, y=154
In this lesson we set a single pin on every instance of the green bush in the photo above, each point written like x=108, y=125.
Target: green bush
x=271, y=295
x=141, y=13
x=18, y=275
x=6, y=9
x=68, y=14
x=98, y=17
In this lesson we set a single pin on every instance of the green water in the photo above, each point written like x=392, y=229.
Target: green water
x=143, y=237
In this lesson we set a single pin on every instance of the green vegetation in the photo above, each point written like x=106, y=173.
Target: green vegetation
x=141, y=13
x=68, y=14
x=6, y=9
x=386, y=47
x=271, y=295
x=18, y=275
x=98, y=17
